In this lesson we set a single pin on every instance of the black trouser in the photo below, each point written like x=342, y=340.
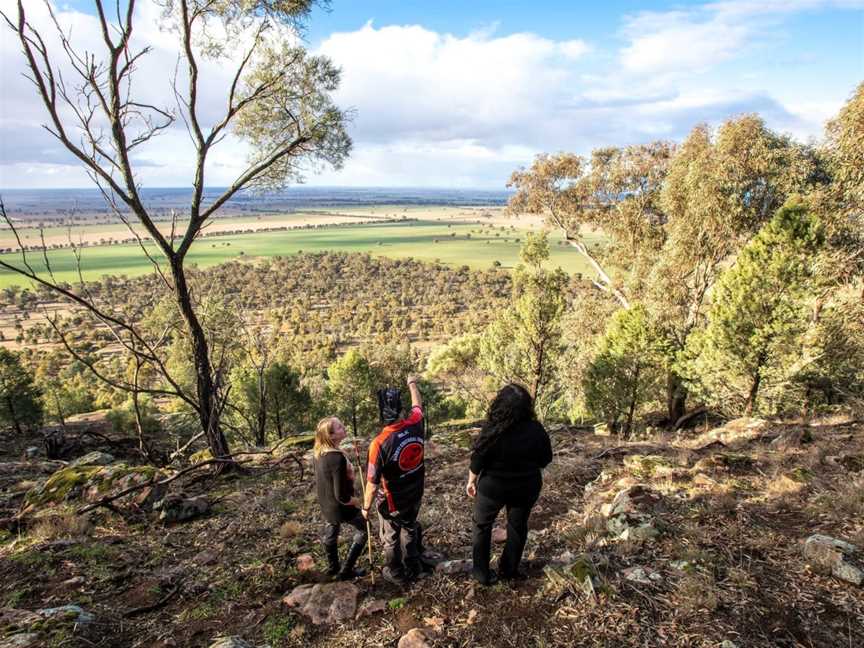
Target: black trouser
x=330, y=537
x=518, y=494
x=400, y=529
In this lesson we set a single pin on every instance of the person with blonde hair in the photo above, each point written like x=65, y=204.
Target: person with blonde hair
x=334, y=481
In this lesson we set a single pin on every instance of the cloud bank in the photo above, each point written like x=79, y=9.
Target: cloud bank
x=439, y=109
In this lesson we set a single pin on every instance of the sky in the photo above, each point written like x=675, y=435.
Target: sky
x=459, y=94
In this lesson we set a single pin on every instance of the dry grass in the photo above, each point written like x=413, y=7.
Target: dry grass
x=697, y=593
x=290, y=529
x=62, y=526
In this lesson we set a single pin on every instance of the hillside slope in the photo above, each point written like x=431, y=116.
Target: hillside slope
x=664, y=543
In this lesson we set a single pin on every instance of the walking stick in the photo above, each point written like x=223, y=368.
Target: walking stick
x=363, y=491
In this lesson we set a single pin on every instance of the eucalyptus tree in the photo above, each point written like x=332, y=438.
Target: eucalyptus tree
x=277, y=99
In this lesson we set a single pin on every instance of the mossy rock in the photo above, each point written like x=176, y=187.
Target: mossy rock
x=299, y=440
x=644, y=466
x=91, y=483
x=800, y=474
x=66, y=483
x=201, y=455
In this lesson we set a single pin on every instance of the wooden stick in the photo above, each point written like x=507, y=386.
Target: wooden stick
x=368, y=524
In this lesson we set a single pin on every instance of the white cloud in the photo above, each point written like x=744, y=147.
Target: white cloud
x=438, y=109
x=698, y=38
x=678, y=41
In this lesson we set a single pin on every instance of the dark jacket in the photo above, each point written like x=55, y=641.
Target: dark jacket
x=396, y=462
x=523, y=450
x=334, y=488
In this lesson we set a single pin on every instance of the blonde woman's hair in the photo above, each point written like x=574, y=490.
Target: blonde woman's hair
x=324, y=436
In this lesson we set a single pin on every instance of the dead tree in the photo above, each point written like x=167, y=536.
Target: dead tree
x=278, y=101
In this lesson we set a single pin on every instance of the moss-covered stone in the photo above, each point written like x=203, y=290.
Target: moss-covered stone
x=644, y=466
x=64, y=484
x=201, y=455
x=91, y=483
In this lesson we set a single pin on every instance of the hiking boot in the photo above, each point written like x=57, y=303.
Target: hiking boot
x=488, y=579
x=513, y=576
x=413, y=569
x=394, y=576
x=332, y=553
x=348, y=572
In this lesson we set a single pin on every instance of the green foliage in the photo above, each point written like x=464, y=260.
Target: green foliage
x=20, y=405
x=626, y=374
x=524, y=343
x=122, y=418
x=351, y=384
x=836, y=343
x=457, y=366
x=297, y=107
x=754, y=340
x=277, y=629
x=274, y=396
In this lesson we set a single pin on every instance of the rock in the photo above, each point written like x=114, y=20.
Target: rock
x=499, y=534
x=602, y=429
x=737, y=430
x=563, y=559
x=415, y=638
x=201, y=455
x=454, y=567
x=32, y=452
x=701, y=479
x=17, y=619
x=625, y=529
x=682, y=565
x=324, y=602
x=179, y=508
x=91, y=483
x=95, y=458
x=642, y=575
x=628, y=515
x=431, y=558
x=72, y=613
x=632, y=500
x=573, y=578
x=305, y=563
x=728, y=644
x=834, y=556
x=206, y=558
x=370, y=607
x=230, y=642
x=13, y=469
x=23, y=640
x=644, y=466
x=793, y=438
x=75, y=581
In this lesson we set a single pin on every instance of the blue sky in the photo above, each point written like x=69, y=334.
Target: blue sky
x=453, y=93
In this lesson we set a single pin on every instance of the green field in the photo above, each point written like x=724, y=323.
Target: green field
x=400, y=240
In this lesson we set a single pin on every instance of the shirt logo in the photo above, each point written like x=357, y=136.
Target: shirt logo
x=411, y=456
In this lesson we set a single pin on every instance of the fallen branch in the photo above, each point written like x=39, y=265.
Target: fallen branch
x=690, y=415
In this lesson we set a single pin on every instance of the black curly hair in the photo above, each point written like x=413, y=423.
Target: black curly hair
x=512, y=405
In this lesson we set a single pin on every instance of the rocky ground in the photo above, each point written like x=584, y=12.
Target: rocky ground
x=744, y=535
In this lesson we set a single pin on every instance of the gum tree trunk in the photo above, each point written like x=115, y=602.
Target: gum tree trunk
x=208, y=413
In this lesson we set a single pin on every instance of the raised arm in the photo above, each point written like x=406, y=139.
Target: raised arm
x=416, y=401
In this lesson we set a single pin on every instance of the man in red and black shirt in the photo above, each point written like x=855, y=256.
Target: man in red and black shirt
x=396, y=475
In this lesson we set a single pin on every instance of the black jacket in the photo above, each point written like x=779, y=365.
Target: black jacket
x=522, y=450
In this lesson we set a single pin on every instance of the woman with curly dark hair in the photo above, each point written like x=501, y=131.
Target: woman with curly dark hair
x=506, y=463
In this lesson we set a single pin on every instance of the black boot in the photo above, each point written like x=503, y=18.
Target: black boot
x=332, y=553
x=348, y=571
